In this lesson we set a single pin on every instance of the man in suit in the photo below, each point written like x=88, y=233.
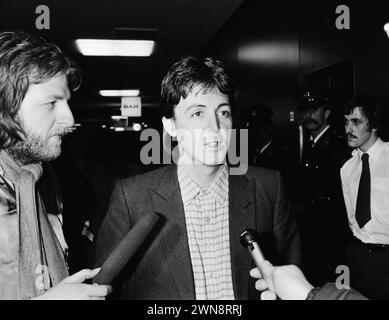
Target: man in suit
x=323, y=222
x=195, y=253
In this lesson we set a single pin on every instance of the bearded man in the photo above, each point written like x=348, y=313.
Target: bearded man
x=35, y=77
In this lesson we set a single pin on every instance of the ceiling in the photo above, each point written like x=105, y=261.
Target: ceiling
x=183, y=27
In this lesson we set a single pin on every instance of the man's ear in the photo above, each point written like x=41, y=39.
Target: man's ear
x=327, y=113
x=169, y=126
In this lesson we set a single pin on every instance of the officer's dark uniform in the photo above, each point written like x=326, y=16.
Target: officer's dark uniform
x=323, y=221
x=257, y=119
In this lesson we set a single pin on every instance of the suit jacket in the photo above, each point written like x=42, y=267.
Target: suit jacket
x=162, y=266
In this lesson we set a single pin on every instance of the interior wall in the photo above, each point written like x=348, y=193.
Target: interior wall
x=269, y=47
x=322, y=44
x=372, y=78
x=259, y=46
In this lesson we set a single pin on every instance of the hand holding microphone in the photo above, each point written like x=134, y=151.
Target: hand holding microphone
x=287, y=282
x=75, y=288
x=249, y=240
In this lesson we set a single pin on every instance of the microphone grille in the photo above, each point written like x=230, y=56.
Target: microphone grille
x=247, y=237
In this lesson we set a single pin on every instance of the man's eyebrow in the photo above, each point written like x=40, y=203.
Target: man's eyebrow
x=353, y=119
x=225, y=104
x=204, y=106
x=57, y=96
x=195, y=106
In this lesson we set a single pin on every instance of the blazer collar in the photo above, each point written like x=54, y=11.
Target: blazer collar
x=166, y=200
x=167, y=184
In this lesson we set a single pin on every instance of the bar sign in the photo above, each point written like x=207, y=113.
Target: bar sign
x=131, y=107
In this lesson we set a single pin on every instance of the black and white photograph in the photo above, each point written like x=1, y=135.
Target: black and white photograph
x=191, y=155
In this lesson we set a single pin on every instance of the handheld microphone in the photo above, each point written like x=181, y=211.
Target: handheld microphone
x=126, y=249
x=248, y=239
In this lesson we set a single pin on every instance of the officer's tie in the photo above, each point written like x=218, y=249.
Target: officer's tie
x=362, y=212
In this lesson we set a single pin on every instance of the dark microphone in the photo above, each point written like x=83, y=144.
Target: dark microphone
x=126, y=249
x=248, y=239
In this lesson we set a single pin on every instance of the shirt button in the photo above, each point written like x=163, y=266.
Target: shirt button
x=208, y=220
x=212, y=274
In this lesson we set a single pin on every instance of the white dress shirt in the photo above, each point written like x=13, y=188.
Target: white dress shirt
x=377, y=229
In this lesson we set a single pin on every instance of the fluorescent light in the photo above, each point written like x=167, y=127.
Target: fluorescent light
x=119, y=129
x=123, y=48
x=119, y=93
x=119, y=118
x=386, y=28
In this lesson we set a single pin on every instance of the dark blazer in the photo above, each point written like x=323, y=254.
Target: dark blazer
x=162, y=267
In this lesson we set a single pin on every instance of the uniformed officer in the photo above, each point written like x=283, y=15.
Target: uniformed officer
x=323, y=221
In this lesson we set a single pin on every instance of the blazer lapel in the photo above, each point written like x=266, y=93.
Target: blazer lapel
x=167, y=201
x=242, y=216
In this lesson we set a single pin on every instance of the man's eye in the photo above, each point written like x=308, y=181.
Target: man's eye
x=51, y=104
x=197, y=114
x=225, y=113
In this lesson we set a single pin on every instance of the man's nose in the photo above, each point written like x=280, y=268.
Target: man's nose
x=303, y=116
x=348, y=128
x=214, y=123
x=66, y=116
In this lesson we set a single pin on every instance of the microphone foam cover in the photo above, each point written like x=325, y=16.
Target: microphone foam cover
x=126, y=249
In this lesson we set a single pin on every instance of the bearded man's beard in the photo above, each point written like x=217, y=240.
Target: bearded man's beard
x=33, y=149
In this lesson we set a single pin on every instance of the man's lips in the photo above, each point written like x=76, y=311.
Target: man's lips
x=62, y=133
x=57, y=135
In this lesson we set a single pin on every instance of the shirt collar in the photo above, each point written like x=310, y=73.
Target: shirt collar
x=190, y=189
x=320, y=134
x=374, y=151
x=265, y=147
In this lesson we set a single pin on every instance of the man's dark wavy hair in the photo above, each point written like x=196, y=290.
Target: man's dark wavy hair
x=188, y=72
x=27, y=59
x=370, y=108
